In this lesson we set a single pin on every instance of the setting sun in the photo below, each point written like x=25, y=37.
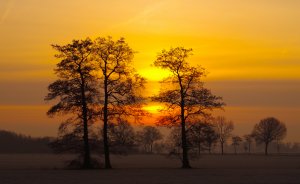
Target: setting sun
x=153, y=109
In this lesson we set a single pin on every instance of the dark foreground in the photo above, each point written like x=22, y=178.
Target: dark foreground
x=144, y=169
x=153, y=176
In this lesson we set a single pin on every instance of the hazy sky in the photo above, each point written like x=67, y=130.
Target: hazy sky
x=251, y=49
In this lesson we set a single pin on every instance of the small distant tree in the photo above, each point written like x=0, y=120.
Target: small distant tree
x=148, y=136
x=278, y=144
x=223, y=129
x=160, y=147
x=248, y=141
x=236, y=141
x=268, y=130
x=197, y=137
x=174, y=142
x=75, y=94
x=203, y=135
x=183, y=94
x=121, y=137
x=210, y=136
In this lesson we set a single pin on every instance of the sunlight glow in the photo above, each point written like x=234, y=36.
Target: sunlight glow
x=154, y=74
x=153, y=109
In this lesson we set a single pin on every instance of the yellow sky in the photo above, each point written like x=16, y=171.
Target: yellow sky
x=232, y=38
x=236, y=41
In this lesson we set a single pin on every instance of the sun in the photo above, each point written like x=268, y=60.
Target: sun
x=154, y=74
x=153, y=109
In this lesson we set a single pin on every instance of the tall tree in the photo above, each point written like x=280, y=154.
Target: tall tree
x=119, y=84
x=223, y=129
x=268, y=130
x=184, y=95
x=75, y=89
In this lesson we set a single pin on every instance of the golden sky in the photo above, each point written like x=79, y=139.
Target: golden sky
x=251, y=49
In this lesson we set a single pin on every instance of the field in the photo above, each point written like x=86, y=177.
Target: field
x=252, y=169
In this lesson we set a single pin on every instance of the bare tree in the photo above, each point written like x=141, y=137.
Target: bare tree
x=210, y=136
x=148, y=136
x=197, y=138
x=236, y=141
x=174, y=142
x=223, y=129
x=75, y=90
x=248, y=140
x=203, y=135
x=268, y=130
x=278, y=143
x=121, y=137
x=184, y=95
x=119, y=84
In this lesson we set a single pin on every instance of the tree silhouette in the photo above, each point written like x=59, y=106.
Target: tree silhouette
x=75, y=90
x=278, y=143
x=248, y=140
x=223, y=129
x=202, y=135
x=118, y=82
x=236, y=141
x=148, y=136
x=197, y=138
x=121, y=136
x=12, y=142
x=174, y=141
x=268, y=130
x=184, y=95
x=210, y=136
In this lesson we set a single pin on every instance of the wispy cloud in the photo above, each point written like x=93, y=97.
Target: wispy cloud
x=8, y=5
x=145, y=14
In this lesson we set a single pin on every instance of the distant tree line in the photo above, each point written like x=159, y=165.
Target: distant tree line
x=126, y=139
x=208, y=133
x=17, y=143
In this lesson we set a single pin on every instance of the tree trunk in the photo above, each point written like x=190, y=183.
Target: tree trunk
x=199, y=149
x=249, y=147
x=185, y=159
x=209, y=149
x=266, y=148
x=222, y=148
x=278, y=147
x=86, y=156
x=107, y=164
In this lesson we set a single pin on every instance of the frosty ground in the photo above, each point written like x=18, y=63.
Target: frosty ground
x=48, y=169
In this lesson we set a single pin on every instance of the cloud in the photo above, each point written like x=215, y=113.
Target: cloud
x=8, y=5
x=144, y=14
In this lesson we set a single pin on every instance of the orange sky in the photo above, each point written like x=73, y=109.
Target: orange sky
x=251, y=50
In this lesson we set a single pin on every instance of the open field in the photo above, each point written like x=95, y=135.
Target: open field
x=47, y=169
